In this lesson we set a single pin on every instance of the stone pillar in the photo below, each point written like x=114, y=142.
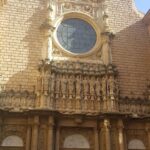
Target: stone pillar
x=57, y=138
x=121, y=135
x=28, y=135
x=1, y=127
x=148, y=134
x=96, y=139
x=107, y=134
x=50, y=133
x=34, y=144
x=105, y=143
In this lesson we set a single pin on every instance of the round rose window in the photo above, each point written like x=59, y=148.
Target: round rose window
x=76, y=35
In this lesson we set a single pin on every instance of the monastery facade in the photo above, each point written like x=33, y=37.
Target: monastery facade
x=74, y=74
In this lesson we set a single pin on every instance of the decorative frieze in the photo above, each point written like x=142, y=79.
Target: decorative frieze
x=134, y=106
x=74, y=87
x=16, y=99
x=71, y=86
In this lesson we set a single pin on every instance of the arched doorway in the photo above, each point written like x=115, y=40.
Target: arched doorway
x=12, y=142
x=76, y=141
x=136, y=144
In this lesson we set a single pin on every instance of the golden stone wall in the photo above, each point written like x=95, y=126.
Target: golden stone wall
x=21, y=43
x=47, y=96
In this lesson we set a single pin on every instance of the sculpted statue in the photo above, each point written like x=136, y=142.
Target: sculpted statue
x=111, y=87
x=57, y=89
x=52, y=85
x=71, y=87
x=64, y=86
x=104, y=88
x=98, y=88
x=92, y=87
x=86, y=87
x=78, y=87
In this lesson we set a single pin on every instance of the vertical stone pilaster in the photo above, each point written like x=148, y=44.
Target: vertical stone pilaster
x=34, y=144
x=50, y=133
x=148, y=134
x=96, y=139
x=57, y=138
x=28, y=135
x=105, y=143
x=1, y=127
x=107, y=134
x=121, y=135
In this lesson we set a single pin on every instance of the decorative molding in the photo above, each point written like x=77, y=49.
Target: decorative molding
x=16, y=99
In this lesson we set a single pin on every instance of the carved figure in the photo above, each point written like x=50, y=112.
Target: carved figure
x=71, y=86
x=78, y=87
x=86, y=88
x=98, y=88
x=92, y=87
x=104, y=88
x=64, y=86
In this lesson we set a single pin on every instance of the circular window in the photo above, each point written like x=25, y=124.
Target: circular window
x=76, y=35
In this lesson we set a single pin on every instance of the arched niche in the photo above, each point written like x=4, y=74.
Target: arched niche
x=76, y=141
x=136, y=144
x=12, y=141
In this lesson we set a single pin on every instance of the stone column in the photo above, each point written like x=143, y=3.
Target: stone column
x=1, y=127
x=57, y=138
x=50, y=133
x=106, y=127
x=96, y=139
x=34, y=144
x=28, y=135
x=121, y=135
x=148, y=134
x=101, y=139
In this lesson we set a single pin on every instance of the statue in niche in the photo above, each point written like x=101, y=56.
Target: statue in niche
x=78, y=87
x=98, y=88
x=57, y=91
x=71, y=87
x=92, y=87
x=64, y=86
x=111, y=87
x=52, y=84
x=86, y=87
x=104, y=88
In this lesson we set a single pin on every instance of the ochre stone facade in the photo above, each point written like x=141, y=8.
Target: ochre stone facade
x=52, y=99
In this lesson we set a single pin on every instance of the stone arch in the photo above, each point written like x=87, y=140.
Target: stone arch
x=136, y=144
x=12, y=141
x=76, y=141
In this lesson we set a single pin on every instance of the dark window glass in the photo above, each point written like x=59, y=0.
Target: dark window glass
x=76, y=35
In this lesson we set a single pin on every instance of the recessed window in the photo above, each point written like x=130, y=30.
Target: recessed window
x=76, y=35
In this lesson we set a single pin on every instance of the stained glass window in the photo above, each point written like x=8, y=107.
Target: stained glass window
x=76, y=35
